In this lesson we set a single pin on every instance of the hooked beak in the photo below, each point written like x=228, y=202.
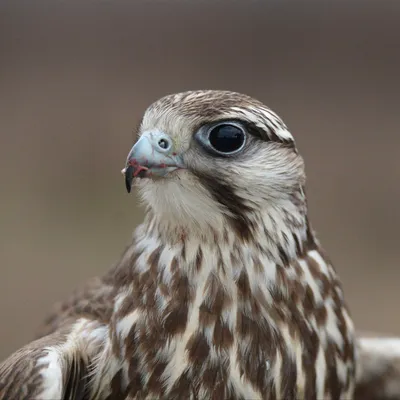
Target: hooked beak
x=152, y=156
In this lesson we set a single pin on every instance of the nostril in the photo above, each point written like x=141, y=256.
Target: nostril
x=163, y=143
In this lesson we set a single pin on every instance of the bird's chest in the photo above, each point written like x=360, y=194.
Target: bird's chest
x=227, y=349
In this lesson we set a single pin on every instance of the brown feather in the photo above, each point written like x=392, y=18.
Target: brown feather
x=21, y=376
x=242, y=304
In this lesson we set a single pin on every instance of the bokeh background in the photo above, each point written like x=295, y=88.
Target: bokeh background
x=75, y=77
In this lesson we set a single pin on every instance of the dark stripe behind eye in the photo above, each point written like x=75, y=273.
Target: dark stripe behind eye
x=260, y=133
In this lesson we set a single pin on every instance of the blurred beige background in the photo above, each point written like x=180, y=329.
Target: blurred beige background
x=75, y=76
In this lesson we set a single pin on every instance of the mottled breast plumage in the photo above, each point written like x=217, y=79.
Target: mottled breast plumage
x=224, y=291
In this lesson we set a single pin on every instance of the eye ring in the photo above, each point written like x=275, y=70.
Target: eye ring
x=225, y=138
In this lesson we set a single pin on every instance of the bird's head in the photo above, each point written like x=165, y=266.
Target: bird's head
x=209, y=156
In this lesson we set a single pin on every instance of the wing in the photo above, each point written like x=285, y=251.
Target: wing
x=55, y=366
x=378, y=372
x=45, y=369
x=94, y=301
x=60, y=363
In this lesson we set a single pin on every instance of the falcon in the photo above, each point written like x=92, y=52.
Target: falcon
x=224, y=291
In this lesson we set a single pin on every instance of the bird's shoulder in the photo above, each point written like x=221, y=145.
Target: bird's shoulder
x=93, y=301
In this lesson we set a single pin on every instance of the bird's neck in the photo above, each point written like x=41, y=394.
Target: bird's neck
x=252, y=300
x=269, y=238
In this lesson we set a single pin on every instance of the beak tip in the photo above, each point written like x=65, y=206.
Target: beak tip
x=128, y=186
x=128, y=172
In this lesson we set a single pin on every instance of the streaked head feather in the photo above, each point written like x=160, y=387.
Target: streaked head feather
x=268, y=173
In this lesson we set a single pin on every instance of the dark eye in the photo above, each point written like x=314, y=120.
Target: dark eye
x=163, y=144
x=226, y=138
